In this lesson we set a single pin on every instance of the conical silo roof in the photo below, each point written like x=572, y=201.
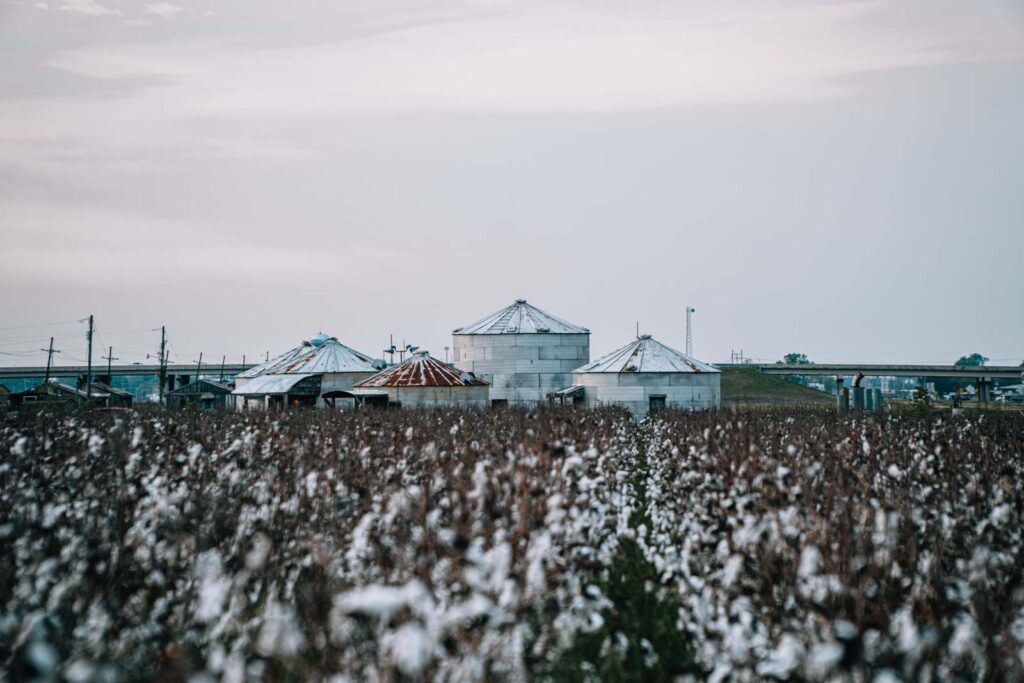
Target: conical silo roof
x=421, y=370
x=322, y=354
x=646, y=354
x=521, y=318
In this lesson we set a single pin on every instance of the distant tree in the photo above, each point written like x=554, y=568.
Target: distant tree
x=796, y=359
x=920, y=402
x=975, y=360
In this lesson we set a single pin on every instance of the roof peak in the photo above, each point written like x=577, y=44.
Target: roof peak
x=646, y=354
x=521, y=318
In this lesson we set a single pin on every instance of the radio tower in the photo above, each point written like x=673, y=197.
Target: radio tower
x=689, y=330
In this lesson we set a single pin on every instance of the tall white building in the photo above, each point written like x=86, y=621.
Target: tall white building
x=524, y=352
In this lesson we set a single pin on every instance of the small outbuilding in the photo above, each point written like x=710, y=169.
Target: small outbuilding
x=205, y=394
x=425, y=382
x=274, y=392
x=116, y=398
x=338, y=367
x=646, y=376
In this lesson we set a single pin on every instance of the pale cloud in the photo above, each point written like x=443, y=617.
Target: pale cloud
x=163, y=9
x=550, y=60
x=88, y=7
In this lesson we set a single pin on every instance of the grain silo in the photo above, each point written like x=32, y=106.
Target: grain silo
x=645, y=375
x=524, y=352
x=424, y=382
x=340, y=366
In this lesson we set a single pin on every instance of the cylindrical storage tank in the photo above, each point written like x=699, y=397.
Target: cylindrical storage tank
x=646, y=376
x=524, y=352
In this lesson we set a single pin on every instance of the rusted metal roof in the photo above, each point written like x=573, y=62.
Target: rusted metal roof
x=322, y=354
x=422, y=371
x=521, y=318
x=646, y=354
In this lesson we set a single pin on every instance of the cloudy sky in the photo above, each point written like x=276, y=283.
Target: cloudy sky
x=839, y=178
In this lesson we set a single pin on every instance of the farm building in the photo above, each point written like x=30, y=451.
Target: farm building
x=338, y=366
x=524, y=352
x=116, y=398
x=425, y=382
x=276, y=391
x=644, y=376
x=205, y=394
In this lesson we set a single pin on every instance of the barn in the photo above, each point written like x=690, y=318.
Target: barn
x=645, y=376
x=525, y=353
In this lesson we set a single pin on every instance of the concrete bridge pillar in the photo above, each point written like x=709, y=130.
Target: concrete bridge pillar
x=843, y=399
x=857, y=395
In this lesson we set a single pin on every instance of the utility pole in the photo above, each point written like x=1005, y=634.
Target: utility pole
x=222, y=359
x=162, y=375
x=49, y=360
x=243, y=362
x=109, y=358
x=88, y=372
x=199, y=365
x=689, y=330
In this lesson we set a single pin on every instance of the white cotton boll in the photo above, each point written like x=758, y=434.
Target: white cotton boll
x=19, y=448
x=383, y=601
x=311, y=483
x=824, y=657
x=137, y=435
x=791, y=449
x=213, y=586
x=895, y=472
x=1001, y=514
x=280, y=634
x=454, y=430
x=886, y=676
x=410, y=648
x=732, y=570
x=79, y=671
x=257, y=557
x=810, y=561
x=866, y=447
x=408, y=433
x=784, y=658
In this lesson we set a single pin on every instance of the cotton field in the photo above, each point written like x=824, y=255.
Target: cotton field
x=511, y=545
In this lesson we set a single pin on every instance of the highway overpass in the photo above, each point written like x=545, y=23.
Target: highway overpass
x=152, y=370
x=888, y=370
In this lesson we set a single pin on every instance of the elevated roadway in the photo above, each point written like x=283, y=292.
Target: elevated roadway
x=889, y=370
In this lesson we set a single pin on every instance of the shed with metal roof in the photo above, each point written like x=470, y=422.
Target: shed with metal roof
x=280, y=391
x=339, y=366
x=422, y=381
x=646, y=375
x=523, y=351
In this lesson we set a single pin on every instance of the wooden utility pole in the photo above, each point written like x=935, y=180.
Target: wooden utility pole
x=162, y=373
x=88, y=372
x=110, y=359
x=49, y=360
x=222, y=359
x=199, y=365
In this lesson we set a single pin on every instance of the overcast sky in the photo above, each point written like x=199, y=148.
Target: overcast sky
x=838, y=178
